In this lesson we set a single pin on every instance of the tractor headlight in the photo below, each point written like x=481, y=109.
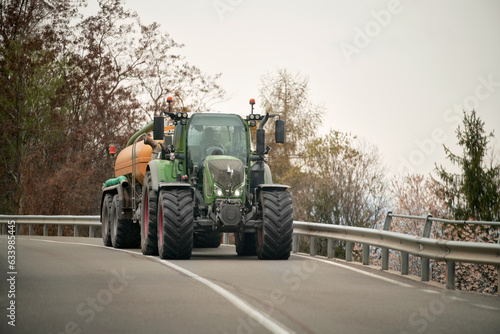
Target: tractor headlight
x=238, y=191
x=219, y=192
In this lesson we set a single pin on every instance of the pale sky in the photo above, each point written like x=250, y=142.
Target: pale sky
x=397, y=73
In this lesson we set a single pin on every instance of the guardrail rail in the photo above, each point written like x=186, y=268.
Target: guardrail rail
x=423, y=246
x=90, y=221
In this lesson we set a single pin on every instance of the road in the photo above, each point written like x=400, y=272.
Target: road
x=75, y=285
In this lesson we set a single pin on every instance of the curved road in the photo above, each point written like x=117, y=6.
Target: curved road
x=75, y=285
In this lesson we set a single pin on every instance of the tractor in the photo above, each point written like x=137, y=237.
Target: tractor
x=194, y=180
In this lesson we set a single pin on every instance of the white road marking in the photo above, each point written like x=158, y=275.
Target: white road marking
x=430, y=291
x=271, y=324
x=356, y=270
x=486, y=307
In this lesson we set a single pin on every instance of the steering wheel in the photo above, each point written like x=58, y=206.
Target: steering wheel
x=215, y=150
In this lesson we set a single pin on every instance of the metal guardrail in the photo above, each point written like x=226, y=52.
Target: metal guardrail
x=90, y=221
x=422, y=246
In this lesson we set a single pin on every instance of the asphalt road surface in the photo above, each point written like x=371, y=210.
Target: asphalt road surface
x=76, y=285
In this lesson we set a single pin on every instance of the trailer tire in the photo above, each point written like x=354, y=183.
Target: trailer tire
x=274, y=239
x=106, y=218
x=245, y=243
x=149, y=207
x=207, y=240
x=175, y=224
x=124, y=233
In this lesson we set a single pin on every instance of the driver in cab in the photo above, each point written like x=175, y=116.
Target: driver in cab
x=210, y=146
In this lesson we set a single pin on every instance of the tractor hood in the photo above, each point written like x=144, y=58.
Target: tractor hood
x=225, y=172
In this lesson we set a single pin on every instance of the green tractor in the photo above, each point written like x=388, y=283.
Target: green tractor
x=201, y=179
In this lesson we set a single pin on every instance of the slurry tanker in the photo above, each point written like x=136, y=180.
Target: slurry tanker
x=194, y=179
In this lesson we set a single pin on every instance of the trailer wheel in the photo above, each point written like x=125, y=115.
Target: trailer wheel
x=245, y=243
x=124, y=233
x=207, y=240
x=149, y=204
x=106, y=217
x=274, y=240
x=175, y=224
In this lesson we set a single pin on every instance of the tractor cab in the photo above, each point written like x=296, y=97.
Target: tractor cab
x=217, y=148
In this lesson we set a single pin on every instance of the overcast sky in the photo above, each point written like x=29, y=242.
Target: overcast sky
x=398, y=73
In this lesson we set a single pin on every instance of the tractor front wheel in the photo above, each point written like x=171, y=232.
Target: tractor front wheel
x=175, y=224
x=274, y=240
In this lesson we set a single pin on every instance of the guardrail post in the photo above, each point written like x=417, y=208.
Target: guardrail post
x=45, y=230
x=385, y=251
x=18, y=229
x=59, y=230
x=91, y=231
x=312, y=248
x=76, y=230
x=450, y=282
x=4, y=228
x=348, y=251
x=366, y=254
x=331, y=249
x=226, y=238
x=385, y=259
x=31, y=229
x=427, y=227
x=295, y=243
x=424, y=276
x=404, y=263
x=425, y=262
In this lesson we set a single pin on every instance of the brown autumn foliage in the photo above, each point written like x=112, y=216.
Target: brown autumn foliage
x=69, y=87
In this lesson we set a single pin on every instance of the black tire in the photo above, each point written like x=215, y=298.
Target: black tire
x=245, y=243
x=124, y=233
x=149, y=203
x=274, y=240
x=175, y=224
x=207, y=240
x=106, y=218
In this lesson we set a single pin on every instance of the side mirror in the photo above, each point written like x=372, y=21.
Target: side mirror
x=158, y=127
x=261, y=141
x=280, y=131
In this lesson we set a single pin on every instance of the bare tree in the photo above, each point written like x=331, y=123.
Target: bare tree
x=348, y=186
x=287, y=95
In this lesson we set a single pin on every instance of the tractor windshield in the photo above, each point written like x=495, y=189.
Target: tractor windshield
x=216, y=134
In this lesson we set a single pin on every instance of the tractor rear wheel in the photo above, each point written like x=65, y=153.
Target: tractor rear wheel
x=106, y=218
x=245, y=243
x=175, y=224
x=149, y=207
x=124, y=233
x=274, y=240
x=207, y=240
